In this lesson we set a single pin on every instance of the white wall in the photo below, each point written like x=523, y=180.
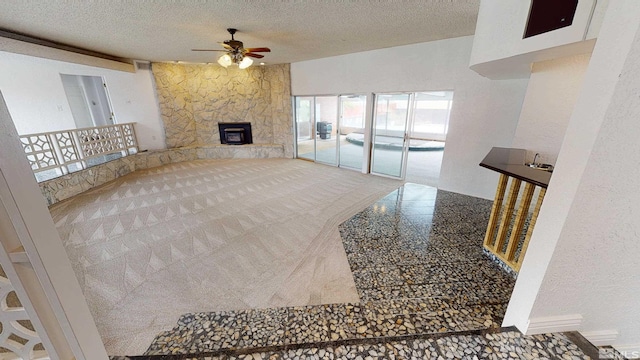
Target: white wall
x=594, y=270
x=551, y=96
x=36, y=99
x=484, y=113
x=582, y=258
x=499, y=50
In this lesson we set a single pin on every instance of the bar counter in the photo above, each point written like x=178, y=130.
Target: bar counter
x=512, y=220
x=511, y=162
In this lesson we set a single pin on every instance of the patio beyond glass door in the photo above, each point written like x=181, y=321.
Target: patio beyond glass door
x=305, y=123
x=353, y=109
x=389, y=134
x=326, y=115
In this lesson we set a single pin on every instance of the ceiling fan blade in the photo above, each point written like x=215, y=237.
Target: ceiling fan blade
x=262, y=49
x=257, y=56
x=226, y=46
x=206, y=50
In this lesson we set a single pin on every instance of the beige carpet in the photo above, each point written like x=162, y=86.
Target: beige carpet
x=211, y=235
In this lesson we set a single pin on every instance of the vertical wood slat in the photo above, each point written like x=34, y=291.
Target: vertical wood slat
x=518, y=263
x=495, y=212
x=521, y=217
x=507, y=214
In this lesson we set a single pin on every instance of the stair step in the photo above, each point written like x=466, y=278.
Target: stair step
x=288, y=326
x=495, y=343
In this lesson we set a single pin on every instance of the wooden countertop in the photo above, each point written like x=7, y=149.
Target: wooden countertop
x=511, y=162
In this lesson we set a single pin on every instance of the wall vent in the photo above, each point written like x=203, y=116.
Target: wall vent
x=142, y=65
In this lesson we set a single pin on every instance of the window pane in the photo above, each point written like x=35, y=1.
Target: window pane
x=388, y=134
x=431, y=115
x=304, y=126
x=353, y=110
x=326, y=115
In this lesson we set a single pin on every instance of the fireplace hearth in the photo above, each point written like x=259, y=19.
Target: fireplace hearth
x=235, y=133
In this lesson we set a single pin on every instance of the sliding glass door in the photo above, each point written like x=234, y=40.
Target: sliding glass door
x=330, y=129
x=431, y=112
x=353, y=109
x=390, y=134
x=402, y=138
x=305, y=125
x=326, y=114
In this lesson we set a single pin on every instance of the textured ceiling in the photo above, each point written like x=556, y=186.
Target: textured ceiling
x=294, y=30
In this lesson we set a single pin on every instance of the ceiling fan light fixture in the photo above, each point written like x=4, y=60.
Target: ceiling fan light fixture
x=245, y=63
x=225, y=60
x=236, y=53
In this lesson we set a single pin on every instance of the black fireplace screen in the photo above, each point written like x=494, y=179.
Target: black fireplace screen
x=235, y=133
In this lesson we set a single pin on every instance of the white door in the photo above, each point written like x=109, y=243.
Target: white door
x=88, y=100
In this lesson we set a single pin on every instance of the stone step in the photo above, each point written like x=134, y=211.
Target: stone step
x=214, y=332
x=505, y=343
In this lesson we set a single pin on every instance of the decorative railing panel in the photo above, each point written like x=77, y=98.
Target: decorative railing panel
x=67, y=146
x=18, y=339
x=55, y=151
x=39, y=151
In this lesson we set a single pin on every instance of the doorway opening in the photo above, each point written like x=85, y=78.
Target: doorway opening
x=88, y=100
x=408, y=135
x=430, y=126
x=90, y=107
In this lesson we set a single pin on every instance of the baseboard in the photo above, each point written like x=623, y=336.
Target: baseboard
x=629, y=351
x=552, y=324
x=601, y=338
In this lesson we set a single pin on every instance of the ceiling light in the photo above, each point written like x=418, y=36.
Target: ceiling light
x=261, y=63
x=245, y=63
x=225, y=60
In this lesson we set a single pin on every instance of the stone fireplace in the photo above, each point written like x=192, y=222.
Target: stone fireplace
x=193, y=98
x=235, y=133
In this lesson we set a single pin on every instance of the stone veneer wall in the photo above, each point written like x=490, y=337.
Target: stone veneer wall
x=66, y=186
x=193, y=98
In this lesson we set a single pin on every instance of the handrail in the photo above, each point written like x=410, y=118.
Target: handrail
x=58, y=150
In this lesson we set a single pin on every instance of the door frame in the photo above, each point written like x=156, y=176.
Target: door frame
x=408, y=126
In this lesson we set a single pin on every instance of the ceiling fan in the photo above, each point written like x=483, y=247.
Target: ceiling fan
x=236, y=53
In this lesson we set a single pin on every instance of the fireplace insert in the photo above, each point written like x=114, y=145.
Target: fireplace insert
x=235, y=133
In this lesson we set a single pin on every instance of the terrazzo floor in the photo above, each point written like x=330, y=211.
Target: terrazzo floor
x=426, y=291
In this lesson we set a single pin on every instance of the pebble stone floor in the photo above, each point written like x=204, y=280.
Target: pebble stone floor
x=501, y=345
x=426, y=291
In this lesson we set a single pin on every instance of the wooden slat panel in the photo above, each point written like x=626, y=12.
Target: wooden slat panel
x=507, y=214
x=495, y=212
x=518, y=226
x=532, y=224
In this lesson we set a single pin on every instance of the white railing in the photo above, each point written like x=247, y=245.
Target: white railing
x=68, y=150
x=19, y=339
